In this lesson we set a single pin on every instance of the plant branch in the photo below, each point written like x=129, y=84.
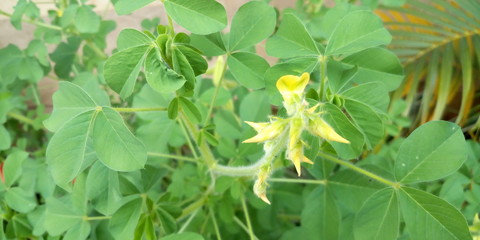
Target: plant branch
x=291, y=180
x=215, y=224
x=189, y=220
x=247, y=218
x=323, y=79
x=37, y=23
x=86, y=218
x=140, y=109
x=242, y=225
x=395, y=185
x=21, y=118
x=97, y=50
x=182, y=158
x=220, y=75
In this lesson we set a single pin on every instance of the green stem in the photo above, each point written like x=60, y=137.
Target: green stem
x=140, y=109
x=242, y=225
x=188, y=159
x=220, y=75
x=97, y=50
x=189, y=220
x=21, y=118
x=247, y=218
x=291, y=180
x=359, y=170
x=37, y=23
x=189, y=142
x=253, y=169
x=193, y=207
x=215, y=224
x=323, y=79
x=35, y=94
x=203, y=147
x=86, y=218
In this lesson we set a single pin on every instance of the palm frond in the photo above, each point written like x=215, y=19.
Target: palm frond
x=438, y=42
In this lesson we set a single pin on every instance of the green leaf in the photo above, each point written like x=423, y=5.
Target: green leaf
x=428, y=215
x=173, y=109
x=248, y=69
x=115, y=145
x=122, y=68
x=369, y=123
x=5, y=139
x=10, y=58
x=96, y=184
x=433, y=151
x=69, y=101
x=168, y=223
x=149, y=98
x=86, y=20
x=198, y=16
x=19, y=200
x=183, y=236
x=376, y=64
x=183, y=67
x=321, y=216
x=291, y=39
x=130, y=37
x=194, y=58
x=375, y=95
x=253, y=22
x=210, y=45
x=60, y=216
x=191, y=111
x=12, y=167
x=342, y=125
x=161, y=78
x=292, y=67
x=64, y=55
x=123, y=222
x=70, y=149
x=123, y=7
x=357, y=31
x=379, y=218
x=223, y=97
x=78, y=231
x=255, y=107
x=352, y=189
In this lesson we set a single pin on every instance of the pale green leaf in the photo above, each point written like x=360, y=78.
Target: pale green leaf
x=291, y=39
x=433, y=151
x=161, y=78
x=379, y=217
x=321, y=216
x=5, y=139
x=198, y=16
x=122, y=68
x=248, y=69
x=429, y=217
x=357, y=31
x=12, y=167
x=86, y=20
x=17, y=199
x=130, y=37
x=71, y=148
x=115, y=145
x=69, y=101
x=124, y=220
x=123, y=7
x=253, y=22
x=60, y=216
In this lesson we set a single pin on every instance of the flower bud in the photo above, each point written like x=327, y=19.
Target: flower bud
x=319, y=127
x=266, y=131
x=295, y=154
x=292, y=87
x=260, y=186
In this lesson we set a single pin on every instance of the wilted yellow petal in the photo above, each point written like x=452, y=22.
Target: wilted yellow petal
x=295, y=155
x=290, y=85
x=322, y=129
x=257, y=126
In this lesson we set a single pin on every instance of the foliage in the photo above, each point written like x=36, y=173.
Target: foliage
x=158, y=139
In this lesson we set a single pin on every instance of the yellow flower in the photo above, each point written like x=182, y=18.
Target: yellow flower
x=266, y=131
x=319, y=127
x=291, y=87
x=295, y=154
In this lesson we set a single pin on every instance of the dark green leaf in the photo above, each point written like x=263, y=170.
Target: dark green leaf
x=191, y=111
x=173, y=109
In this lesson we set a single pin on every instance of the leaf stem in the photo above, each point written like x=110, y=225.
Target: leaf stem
x=86, y=218
x=215, y=224
x=189, y=220
x=242, y=225
x=291, y=180
x=97, y=50
x=187, y=137
x=395, y=185
x=140, y=109
x=21, y=118
x=219, y=81
x=323, y=79
x=188, y=159
x=247, y=218
x=37, y=23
